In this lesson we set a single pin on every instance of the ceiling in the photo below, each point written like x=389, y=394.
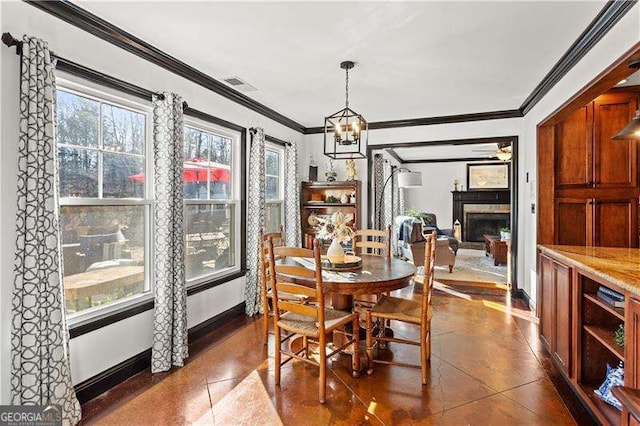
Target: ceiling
x=449, y=152
x=414, y=59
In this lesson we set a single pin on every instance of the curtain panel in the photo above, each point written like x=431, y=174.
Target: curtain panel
x=170, y=316
x=40, y=369
x=256, y=220
x=293, y=234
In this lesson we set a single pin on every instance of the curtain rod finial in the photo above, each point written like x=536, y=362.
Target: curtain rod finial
x=10, y=41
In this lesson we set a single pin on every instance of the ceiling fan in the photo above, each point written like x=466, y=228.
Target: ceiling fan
x=502, y=151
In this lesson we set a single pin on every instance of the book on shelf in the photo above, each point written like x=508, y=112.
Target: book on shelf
x=610, y=300
x=611, y=293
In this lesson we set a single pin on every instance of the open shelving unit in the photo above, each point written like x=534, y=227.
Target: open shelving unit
x=322, y=190
x=597, y=347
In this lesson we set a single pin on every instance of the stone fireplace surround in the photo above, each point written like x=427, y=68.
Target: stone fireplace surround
x=493, y=207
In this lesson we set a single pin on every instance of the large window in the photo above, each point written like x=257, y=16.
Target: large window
x=274, y=187
x=211, y=195
x=105, y=198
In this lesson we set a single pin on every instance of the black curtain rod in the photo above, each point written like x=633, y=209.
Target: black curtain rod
x=271, y=139
x=11, y=41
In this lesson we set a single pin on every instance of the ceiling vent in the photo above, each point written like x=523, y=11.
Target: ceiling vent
x=239, y=84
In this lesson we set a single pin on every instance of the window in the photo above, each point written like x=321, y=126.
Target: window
x=274, y=187
x=211, y=195
x=105, y=199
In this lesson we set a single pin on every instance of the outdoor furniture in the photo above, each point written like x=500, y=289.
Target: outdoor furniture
x=409, y=311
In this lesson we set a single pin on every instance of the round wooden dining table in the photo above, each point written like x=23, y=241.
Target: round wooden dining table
x=378, y=274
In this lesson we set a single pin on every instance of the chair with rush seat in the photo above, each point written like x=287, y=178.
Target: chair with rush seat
x=313, y=321
x=410, y=311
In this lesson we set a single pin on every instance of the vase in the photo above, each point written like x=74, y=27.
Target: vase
x=335, y=253
x=505, y=236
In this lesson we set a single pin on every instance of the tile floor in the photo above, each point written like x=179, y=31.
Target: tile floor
x=487, y=367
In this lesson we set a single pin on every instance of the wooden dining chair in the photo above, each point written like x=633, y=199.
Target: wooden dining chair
x=373, y=241
x=409, y=311
x=313, y=321
x=267, y=303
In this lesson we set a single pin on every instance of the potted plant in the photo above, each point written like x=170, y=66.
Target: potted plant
x=505, y=233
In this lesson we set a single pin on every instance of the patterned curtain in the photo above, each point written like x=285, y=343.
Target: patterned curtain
x=378, y=182
x=40, y=371
x=387, y=203
x=255, y=222
x=170, y=316
x=292, y=196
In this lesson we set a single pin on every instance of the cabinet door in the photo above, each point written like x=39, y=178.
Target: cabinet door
x=632, y=343
x=573, y=221
x=574, y=149
x=615, y=162
x=616, y=223
x=548, y=302
x=562, y=351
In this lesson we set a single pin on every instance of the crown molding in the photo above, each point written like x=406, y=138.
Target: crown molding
x=606, y=19
x=87, y=21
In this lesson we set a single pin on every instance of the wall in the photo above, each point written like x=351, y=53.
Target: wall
x=103, y=348
x=435, y=195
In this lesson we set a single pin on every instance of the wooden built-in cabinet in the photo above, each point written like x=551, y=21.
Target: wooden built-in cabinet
x=555, y=322
x=320, y=206
x=578, y=330
x=596, y=222
x=589, y=186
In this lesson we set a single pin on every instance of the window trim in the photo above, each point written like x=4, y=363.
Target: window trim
x=237, y=185
x=97, y=314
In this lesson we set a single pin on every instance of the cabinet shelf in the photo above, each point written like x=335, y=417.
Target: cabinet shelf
x=325, y=205
x=606, y=337
x=617, y=312
x=607, y=414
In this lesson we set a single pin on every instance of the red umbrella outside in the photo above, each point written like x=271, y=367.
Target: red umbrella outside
x=197, y=170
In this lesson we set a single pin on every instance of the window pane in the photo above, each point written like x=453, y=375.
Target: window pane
x=220, y=150
x=78, y=119
x=78, y=169
x=274, y=217
x=210, y=239
x=207, y=172
x=272, y=163
x=122, y=130
x=122, y=176
x=103, y=254
x=272, y=188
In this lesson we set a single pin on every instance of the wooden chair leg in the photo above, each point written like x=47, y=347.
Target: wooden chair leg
x=355, y=356
x=265, y=322
x=369, y=343
x=278, y=348
x=305, y=345
x=323, y=368
x=423, y=354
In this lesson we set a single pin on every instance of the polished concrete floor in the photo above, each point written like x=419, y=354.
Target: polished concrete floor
x=487, y=367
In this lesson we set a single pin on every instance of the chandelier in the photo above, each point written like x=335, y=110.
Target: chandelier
x=345, y=132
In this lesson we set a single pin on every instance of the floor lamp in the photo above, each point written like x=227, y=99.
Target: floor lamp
x=406, y=179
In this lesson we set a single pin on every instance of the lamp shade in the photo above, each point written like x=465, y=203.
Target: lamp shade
x=409, y=179
x=631, y=131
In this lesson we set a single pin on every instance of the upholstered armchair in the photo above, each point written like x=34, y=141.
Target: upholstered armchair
x=431, y=224
x=411, y=242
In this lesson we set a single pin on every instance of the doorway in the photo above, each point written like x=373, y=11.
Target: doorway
x=483, y=206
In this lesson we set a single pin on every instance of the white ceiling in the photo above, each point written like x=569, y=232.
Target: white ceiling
x=439, y=152
x=415, y=59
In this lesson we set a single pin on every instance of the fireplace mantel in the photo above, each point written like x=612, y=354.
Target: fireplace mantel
x=460, y=198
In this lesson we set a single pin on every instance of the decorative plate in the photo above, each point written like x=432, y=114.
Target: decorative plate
x=350, y=263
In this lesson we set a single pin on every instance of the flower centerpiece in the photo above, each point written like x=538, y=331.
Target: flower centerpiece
x=337, y=229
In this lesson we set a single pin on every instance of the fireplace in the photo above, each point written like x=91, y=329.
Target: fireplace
x=478, y=224
x=488, y=211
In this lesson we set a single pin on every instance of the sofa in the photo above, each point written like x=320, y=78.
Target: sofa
x=411, y=243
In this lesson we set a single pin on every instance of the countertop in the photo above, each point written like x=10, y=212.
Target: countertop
x=620, y=266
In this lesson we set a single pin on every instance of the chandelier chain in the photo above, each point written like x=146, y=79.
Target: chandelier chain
x=346, y=88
